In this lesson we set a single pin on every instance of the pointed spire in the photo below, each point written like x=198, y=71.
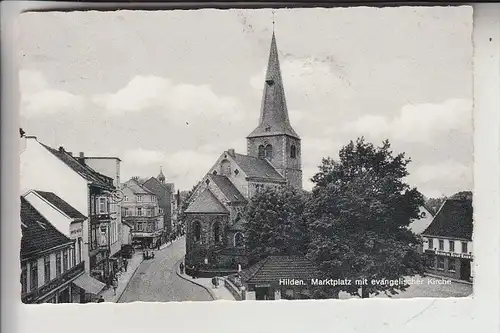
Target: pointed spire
x=161, y=176
x=273, y=113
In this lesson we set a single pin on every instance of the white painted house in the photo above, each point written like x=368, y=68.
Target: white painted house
x=46, y=169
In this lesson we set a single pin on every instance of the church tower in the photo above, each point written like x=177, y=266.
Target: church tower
x=274, y=138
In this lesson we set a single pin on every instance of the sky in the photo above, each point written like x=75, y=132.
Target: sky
x=177, y=88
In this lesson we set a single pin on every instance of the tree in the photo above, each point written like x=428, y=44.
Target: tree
x=275, y=224
x=358, y=216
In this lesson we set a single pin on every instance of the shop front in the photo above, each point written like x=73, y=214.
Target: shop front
x=59, y=290
x=449, y=264
x=86, y=288
x=147, y=239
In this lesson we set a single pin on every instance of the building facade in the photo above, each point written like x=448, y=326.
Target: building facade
x=448, y=239
x=213, y=219
x=165, y=192
x=140, y=209
x=57, y=171
x=50, y=263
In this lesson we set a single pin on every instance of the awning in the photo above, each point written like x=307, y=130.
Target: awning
x=89, y=284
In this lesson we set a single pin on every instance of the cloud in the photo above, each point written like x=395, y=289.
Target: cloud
x=185, y=168
x=39, y=99
x=180, y=102
x=420, y=123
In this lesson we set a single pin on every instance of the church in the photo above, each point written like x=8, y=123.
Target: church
x=214, y=223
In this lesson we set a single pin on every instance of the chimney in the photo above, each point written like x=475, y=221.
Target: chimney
x=82, y=155
x=61, y=149
x=230, y=151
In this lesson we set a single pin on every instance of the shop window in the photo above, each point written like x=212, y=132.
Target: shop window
x=46, y=269
x=452, y=246
x=440, y=263
x=33, y=275
x=441, y=245
x=464, y=247
x=451, y=265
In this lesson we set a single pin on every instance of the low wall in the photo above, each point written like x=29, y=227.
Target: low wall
x=234, y=290
x=209, y=273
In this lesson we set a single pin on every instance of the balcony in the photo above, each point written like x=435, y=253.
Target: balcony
x=101, y=218
x=41, y=291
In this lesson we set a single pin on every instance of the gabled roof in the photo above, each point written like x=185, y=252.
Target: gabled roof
x=60, y=204
x=38, y=233
x=257, y=167
x=83, y=170
x=136, y=187
x=206, y=202
x=273, y=113
x=453, y=220
x=227, y=188
x=274, y=268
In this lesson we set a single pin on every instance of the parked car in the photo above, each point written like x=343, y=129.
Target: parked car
x=127, y=251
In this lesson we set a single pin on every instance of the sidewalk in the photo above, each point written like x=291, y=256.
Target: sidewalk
x=219, y=293
x=123, y=279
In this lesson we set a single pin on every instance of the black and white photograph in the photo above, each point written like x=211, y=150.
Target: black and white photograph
x=246, y=154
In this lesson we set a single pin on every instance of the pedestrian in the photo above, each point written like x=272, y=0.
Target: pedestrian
x=101, y=299
x=158, y=245
x=125, y=264
x=115, y=285
x=181, y=267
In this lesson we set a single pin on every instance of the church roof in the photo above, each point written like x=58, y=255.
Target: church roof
x=206, y=202
x=454, y=219
x=257, y=167
x=227, y=188
x=273, y=113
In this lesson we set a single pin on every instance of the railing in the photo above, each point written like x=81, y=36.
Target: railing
x=41, y=291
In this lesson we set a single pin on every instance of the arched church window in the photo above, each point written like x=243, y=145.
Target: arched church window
x=293, y=151
x=217, y=232
x=262, y=151
x=225, y=168
x=197, y=231
x=239, y=240
x=269, y=151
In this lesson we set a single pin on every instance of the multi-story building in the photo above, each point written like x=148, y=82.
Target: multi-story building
x=140, y=210
x=50, y=264
x=448, y=239
x=166, y=200
x=55, y=170
x=110, y=167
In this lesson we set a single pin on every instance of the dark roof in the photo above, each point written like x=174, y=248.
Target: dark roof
x=206, y=202
x=38, y=233
x=161, y=190
x=227, y=188
x=273, y=113
x=257, y=167
x=60, y=204
x=83, y=170
x=454, y=220
x=274, y=268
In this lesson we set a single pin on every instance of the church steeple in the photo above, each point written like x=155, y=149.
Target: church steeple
x=273, y=113
x=161, y=176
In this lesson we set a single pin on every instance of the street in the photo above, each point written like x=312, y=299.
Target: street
x=156, y=280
